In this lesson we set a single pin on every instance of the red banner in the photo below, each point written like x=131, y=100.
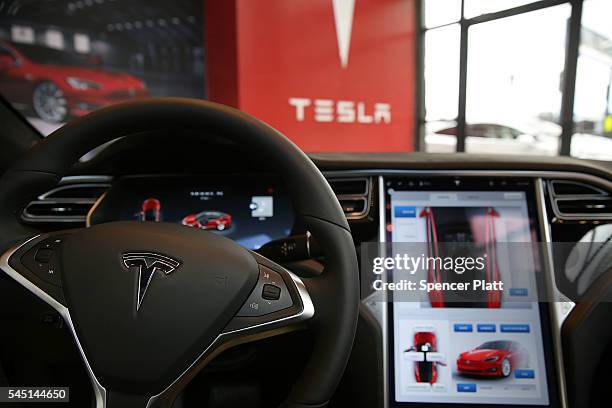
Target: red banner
x=332, y=75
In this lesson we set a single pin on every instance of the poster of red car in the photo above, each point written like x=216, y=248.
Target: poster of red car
x=55, y=84
x=61, y=60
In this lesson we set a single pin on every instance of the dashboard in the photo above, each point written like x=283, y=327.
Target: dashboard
x=491, y=351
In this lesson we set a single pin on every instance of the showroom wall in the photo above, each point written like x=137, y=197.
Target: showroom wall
x=510, y=76
x=332, y=74
x=343, y=81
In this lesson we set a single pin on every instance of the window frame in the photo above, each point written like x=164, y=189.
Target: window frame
x=566, y=117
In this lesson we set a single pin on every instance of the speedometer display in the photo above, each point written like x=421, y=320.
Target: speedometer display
x=250, y=210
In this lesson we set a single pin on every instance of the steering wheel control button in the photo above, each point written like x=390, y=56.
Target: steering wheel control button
x=42, y=260
x=270, y=295
x=43, y=255
x=271, y=292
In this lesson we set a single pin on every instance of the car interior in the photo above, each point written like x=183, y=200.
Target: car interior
x=185, y=249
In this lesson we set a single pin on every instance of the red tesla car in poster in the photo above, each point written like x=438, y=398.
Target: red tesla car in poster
x=57, y=84
x=493, y=359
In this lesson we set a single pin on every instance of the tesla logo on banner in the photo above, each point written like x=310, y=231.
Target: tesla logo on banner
x=329, y=73
x=344, y=11
x=326, y=110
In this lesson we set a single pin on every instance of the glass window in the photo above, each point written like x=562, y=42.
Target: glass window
x=475, y=8
x=592, y=102
x=441, y=136
x=439, y=12
x=513, y=83
x=441, y=87
x=442, y=72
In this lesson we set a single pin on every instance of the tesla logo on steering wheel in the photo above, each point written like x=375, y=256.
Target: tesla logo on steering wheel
x=147, y=263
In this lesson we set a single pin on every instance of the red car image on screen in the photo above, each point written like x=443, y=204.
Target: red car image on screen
x=150, y=210
x=493, y=359
x=57, y=84
x=425, y=371
x=209, y=220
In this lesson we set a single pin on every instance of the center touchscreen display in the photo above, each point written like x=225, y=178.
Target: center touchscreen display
x=487, y=352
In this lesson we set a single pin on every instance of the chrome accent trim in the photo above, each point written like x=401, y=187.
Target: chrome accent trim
x=93, y=208
x=237, y=335
x=382, y=232
x=99, y=390
x=71, y=186
x=558, y=309
x=87, y=178
x=308, y=238
x=171, y=265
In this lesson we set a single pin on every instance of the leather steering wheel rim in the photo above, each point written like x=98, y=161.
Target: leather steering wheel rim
x=335, y=293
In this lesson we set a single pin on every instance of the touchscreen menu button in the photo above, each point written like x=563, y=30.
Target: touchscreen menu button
x=466, y=387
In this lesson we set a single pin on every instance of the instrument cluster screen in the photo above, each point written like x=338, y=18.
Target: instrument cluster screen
x=250, y=210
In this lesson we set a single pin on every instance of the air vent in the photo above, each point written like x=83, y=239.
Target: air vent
x=352, y=206
x=603, y=205
x=353, y=194
x=349, y=186
x=574, y=188
x=576, y=200
x=67, y=203
x=44, y=208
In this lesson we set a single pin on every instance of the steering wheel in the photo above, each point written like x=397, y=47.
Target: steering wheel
x=150, y=304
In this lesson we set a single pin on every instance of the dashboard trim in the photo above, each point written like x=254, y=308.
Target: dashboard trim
x=559, y=309
x=384, y=315
x=93, y=208
x=548, y=174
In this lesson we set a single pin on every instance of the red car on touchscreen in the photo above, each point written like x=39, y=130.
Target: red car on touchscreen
x=493, y=359
x=425, y=370
x=209, y=220
x=56, y=84
x=150, y=210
